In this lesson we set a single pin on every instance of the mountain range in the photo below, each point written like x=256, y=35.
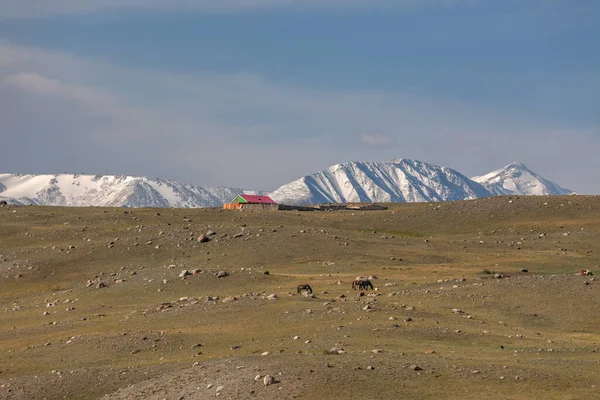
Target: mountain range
x=400, y=180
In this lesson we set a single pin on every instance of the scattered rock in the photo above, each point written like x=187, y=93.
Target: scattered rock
x=203, y=239
x=229, y=299
x=272, y=297
x=269, y=380
x=184, y=273
x=336, y=350
x=416, y=368
x=222, y=274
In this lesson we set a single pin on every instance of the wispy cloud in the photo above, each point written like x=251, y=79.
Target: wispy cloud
x=34, y=82
x=63, y=113
x=43, y=8
x=375, y=139
x=46, y=8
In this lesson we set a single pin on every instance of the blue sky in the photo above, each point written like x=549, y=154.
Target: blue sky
x=192, y=89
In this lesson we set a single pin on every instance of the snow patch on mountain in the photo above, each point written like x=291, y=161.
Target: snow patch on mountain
x=517, y=179
x=110, y=190
x=400, y=180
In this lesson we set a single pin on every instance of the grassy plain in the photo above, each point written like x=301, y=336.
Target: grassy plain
x=150, y=334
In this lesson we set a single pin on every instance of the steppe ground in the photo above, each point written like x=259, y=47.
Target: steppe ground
x=438, y=324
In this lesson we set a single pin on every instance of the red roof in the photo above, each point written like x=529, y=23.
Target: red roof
x=257, y=199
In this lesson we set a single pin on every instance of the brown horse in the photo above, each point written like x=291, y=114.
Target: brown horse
x=306, y=287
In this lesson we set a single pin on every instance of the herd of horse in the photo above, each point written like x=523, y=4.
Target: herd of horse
x=359, y=283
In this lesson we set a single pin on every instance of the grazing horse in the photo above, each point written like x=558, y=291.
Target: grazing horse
x=362, y=284
x=306, y=287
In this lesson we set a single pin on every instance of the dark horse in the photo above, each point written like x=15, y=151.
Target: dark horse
x=306, y=287
x=362, y=284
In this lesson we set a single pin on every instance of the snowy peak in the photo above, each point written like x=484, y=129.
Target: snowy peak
x=517, y=179
x=400, y=180
x=109, y=190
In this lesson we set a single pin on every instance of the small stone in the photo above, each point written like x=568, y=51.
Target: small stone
x=229, y=299
x=222, y=274
x=184, y=273
x=266, y=353
x=203, y=239
x=269, y=380
x=370, y=368
x=416, y=368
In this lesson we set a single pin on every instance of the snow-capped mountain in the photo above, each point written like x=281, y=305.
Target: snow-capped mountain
x=399, y=180
x=517, y=179
x=110, y=190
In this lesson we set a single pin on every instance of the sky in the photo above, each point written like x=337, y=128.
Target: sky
x=257, y=93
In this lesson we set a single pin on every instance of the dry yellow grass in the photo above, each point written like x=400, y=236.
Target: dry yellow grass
x=529, y=335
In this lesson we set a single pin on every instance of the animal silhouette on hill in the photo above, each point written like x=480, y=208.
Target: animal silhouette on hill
x=362, y=284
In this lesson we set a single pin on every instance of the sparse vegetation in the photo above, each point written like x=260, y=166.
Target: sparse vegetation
x=437, y=325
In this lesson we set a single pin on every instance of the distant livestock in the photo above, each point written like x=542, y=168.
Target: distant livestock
x=585, y=272
x=304, y=287
x=362, y=284
x=3, y=203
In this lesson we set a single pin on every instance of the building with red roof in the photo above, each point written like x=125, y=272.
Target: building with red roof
x=242, y=201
